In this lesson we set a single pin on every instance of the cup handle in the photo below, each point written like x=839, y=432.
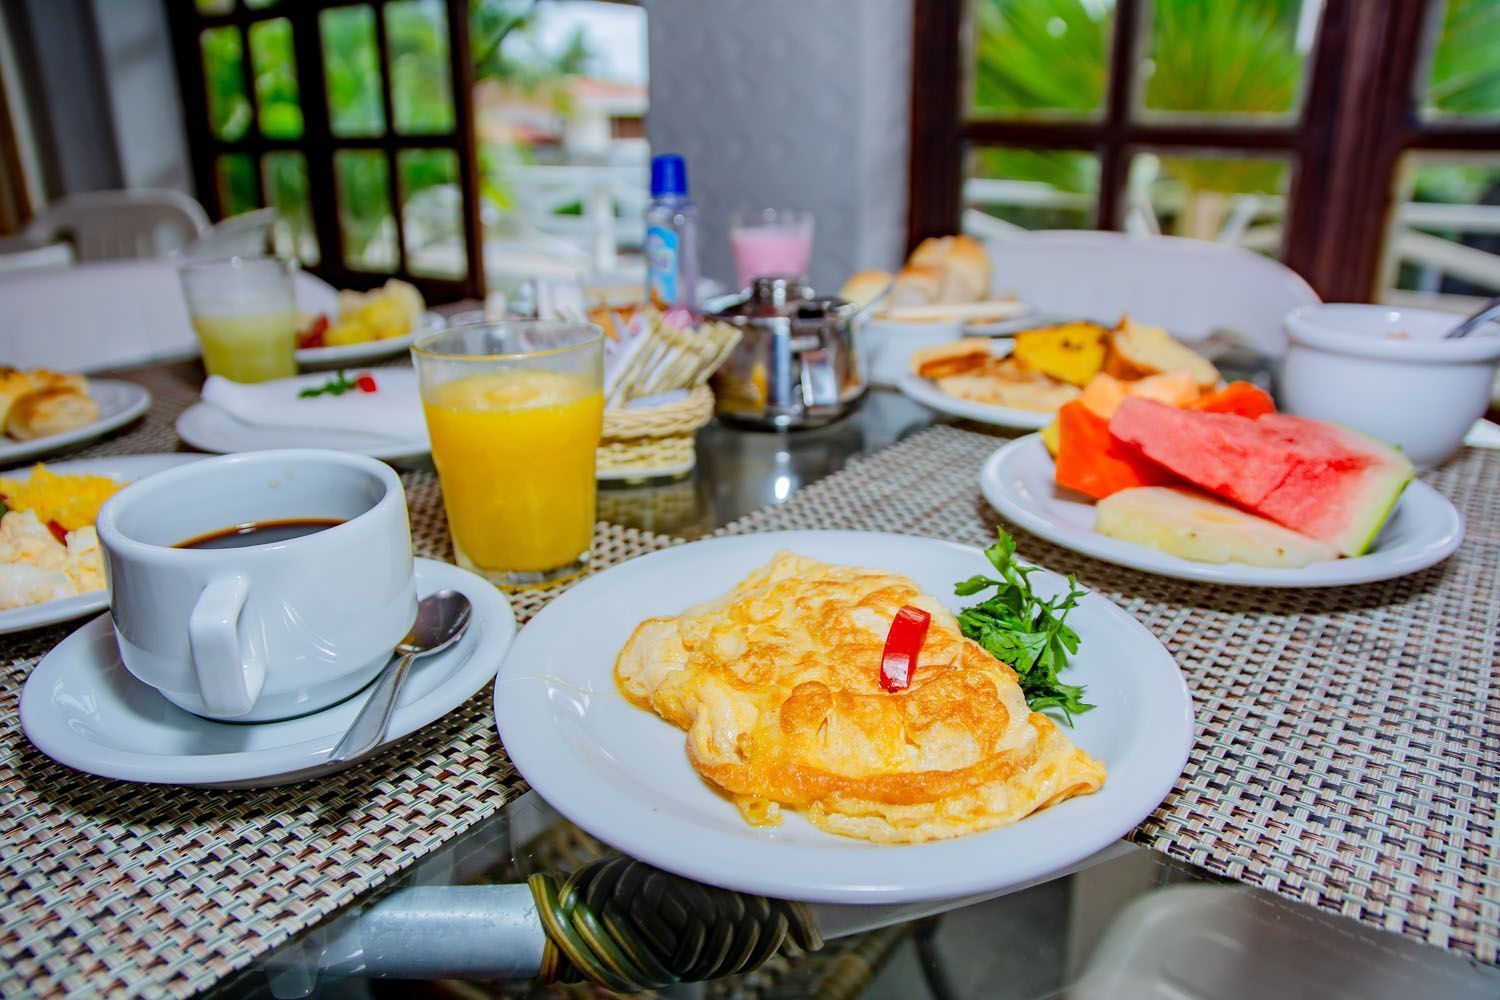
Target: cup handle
x=227, y=681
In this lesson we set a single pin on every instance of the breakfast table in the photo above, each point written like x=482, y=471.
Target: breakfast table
x=1336, y=824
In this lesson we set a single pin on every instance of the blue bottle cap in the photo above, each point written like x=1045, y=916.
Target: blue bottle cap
x=668, y=175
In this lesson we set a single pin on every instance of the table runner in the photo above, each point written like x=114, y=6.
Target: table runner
x=1333, y=779
x=1348, y=739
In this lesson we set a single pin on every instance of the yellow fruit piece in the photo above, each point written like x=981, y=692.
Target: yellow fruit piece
x=1069, y=352
x=1052, y=437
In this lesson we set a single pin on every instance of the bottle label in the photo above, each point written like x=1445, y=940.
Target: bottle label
x=661, y=265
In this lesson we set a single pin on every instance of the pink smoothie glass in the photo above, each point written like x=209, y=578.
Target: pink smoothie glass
x=770, y=241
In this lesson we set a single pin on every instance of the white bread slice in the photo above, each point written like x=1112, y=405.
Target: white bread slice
x=1136, y=350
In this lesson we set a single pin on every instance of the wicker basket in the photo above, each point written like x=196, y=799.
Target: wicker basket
x=641, y=444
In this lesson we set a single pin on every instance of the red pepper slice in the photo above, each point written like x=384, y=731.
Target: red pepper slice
x=902, y=644
x=58, y=532
x=366, y=383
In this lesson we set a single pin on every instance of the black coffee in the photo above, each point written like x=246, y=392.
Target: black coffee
x=259, y=533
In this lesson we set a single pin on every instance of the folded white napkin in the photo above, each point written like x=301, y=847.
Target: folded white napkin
x=1484, y=434
x=394, y=410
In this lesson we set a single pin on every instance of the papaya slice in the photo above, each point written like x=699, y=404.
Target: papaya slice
x=1091, y=462
x=1240, y=398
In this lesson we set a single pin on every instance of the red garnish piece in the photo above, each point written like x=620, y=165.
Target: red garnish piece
x=366, y=383
x=902, y=644
x=312, y=336
x=59, y=532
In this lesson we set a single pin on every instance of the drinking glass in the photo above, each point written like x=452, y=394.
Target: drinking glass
x=770, y=241
x=515, y=411
x=244, y=310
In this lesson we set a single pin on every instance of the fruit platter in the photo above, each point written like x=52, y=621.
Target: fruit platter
x=1220, y=487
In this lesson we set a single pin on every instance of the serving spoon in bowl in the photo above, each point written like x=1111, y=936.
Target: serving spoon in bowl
x=441, y=620
x=1486, y=312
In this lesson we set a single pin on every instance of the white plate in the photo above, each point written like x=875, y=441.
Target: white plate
x=623, y=774
x=119, y=404
x=925, y=392
x=122, y=469
x=312, y=358
x=83, y=709
x=210, y=428
x=1018, y=482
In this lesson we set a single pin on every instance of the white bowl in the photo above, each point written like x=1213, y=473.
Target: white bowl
x=885, y=346
x=1387, y=371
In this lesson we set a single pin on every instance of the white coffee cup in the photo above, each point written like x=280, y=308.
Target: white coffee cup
x=262, y=631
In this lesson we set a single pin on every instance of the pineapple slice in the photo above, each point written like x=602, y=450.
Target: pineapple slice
x=1069, y=352
x=1190, y=525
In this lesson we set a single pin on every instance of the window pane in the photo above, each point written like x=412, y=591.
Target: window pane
x=369, y=228
x=1444, y=244
x=261, y=4
x=284, y=175
x=421, y=80
x=224, y=79
x=215, y=6
x=276, y=79
x=1030, y=189
x=1215, y=60
x=234, y=175
x=1229, y=198
x=1040, y=58
x=432, y=212
x=351, y=66
x=1464, y=78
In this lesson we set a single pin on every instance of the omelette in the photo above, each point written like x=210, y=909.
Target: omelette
x=777, y=686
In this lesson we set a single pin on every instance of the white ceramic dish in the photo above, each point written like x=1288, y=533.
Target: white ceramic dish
x=122, y=469
x=212, y=428
x=925, y=392
x=1018, y=482
x=119, y=404
x=1388, y=372
x=83, y=709
x=623, y=774
x=322, y=358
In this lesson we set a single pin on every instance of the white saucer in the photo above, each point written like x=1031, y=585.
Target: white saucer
x=82, y=708
x=926, y=392
x=119, y=404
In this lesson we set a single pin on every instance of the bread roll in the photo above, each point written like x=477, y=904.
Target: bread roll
x=915, y=286
x=946, y=360
x=863, y=286
x=1136, y=350
x=46, y=378
x=13, y=385
x=963, y=263
x=44, y=412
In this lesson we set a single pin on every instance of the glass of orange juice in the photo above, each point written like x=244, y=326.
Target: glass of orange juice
x=244, y=310
x=515, y=411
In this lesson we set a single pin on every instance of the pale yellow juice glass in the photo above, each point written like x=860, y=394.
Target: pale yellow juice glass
x=244, y=310
x=515, y=411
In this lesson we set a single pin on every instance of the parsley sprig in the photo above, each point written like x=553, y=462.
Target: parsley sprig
x=1025, y=631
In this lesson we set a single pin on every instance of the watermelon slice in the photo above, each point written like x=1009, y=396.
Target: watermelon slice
x=1326, y=481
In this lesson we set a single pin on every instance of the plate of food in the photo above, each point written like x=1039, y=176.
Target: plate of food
x=51, y=567
x=1223, y=490
x=369, y=326
x=853, y=734
x=1022, y=383
x=44, y=411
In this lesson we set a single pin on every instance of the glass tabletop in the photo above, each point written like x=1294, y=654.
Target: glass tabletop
x=1128, y=922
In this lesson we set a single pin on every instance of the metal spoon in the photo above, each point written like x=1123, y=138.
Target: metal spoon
x=441, y=619
x=1486, y=312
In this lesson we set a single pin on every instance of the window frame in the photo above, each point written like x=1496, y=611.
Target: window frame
x=1359, y=116
x=318, y=144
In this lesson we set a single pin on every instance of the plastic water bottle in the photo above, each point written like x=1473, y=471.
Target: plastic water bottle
x=671, y=237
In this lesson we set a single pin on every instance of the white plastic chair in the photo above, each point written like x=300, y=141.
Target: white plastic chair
x=18, y=253
x=109, y=314
x=1190, y=287
x=245, y=235
x=114, y=225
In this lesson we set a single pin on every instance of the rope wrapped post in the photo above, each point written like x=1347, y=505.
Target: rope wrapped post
x=630, y=927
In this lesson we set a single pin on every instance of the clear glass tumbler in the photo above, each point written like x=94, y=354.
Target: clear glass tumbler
x=244, y=310
x=770, y=241
x=515, y=411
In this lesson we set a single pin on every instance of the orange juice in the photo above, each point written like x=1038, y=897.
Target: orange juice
x=514, y=451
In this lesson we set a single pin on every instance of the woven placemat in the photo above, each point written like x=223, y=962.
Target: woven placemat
x=109, y=888
x=1348, y=748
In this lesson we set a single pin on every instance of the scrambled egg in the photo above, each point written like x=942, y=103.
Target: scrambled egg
x=34, y=566
x=777, y=686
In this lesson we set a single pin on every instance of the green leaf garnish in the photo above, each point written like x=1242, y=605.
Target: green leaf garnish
x=1029, y=633
x=336, y=386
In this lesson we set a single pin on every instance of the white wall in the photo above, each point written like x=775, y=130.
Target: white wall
x=142, y=90
x=791, y=103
